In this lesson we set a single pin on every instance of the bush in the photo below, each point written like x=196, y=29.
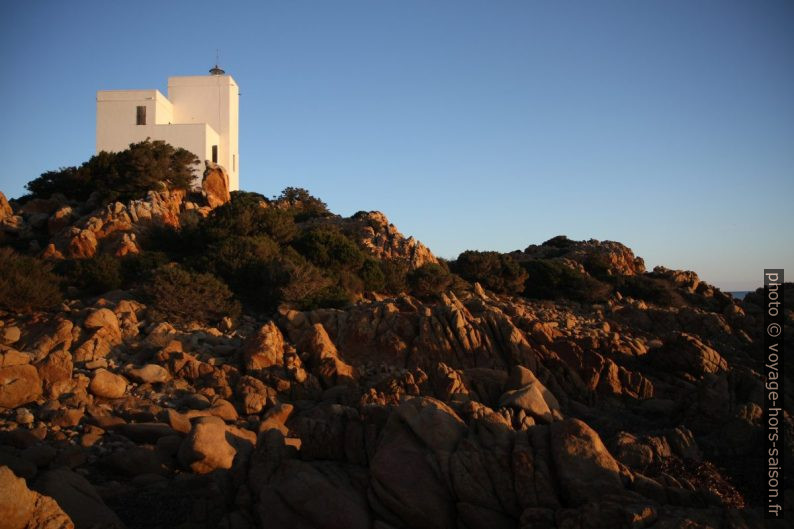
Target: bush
x=26, y=283
x=249, y=215
x=144, y=166
x=302, y=204
x=328, y=248
x=493, y=270
x=303, y=279
x=251, y=268
x=598, y=266
x=429, y=280
x=279, y=225
x=549, y=279
x=372, y=275
x=93, y=276
x=560, y=241
x=182, y=296
x=650, y=289
x=395, y=276
x=333, y=297
x=230, y=257
x=137, y=268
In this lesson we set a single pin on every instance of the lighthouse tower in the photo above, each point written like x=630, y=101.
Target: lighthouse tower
x=200, y=115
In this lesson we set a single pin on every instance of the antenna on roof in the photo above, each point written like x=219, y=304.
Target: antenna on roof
x=216, y=70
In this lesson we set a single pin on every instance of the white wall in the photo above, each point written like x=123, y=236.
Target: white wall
x=201, y=111
x=212, y=99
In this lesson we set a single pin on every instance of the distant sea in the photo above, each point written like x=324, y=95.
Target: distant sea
x=740, y=294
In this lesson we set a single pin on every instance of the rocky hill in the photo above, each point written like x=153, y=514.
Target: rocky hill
x=443, y=405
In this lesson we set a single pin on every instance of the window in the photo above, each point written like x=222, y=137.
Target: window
x=141, y=116
x=214, y=154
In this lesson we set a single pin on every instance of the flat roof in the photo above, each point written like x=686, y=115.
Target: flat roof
x=201, y=80
x=127, y=95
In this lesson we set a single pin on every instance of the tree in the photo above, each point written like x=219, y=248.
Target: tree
x=302, y=204
x=552, y=279
x=327, y=247
x=429, y=280
x=249, y=214
x=493, y=270
x=128, y=174
x=182, y=296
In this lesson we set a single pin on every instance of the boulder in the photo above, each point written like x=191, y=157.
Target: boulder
x=54, y=370
x=5, y=208
x=276, y=417
x=19, y=385
x=107, y=385
x=77, y=497
x=11, y=357
x=103, y=319
x=139, y=460
x=531, y=396
x=416, y=441
x=263, y=349
x=22, y=508
x=41, y=339
x=320, y=494
x=224, y=409
x=60, y=218
x=331, y=369
x=150, y=373
x=685, y=352
x=215, y=184
x=10, y=335
x=205, y=448
x=586, y=470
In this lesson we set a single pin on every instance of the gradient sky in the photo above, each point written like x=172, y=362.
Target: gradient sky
x=665, y=125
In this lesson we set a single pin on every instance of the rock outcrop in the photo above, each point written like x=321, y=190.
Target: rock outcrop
x=383, y=241
x=22, y=508
x=470, y=410
x=114, y=228
x=215, y=184
x=613, y=257
x=5, y=208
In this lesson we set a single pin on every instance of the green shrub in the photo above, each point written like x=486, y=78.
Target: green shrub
x=493, y=270
x=144, y=166
x=332, y=297
x=251, y=268
x=26, y=283
x=429, y=280
x=328, y=248
x=230, y=257
x=303, y=279
x=302, y=204
x=137, y=268
x=650, y=289
x=549, y=279
x=598, y=266
x=248, y=214
x=93, y=276
x=372, y=275
x=351, y=282
x=279, y=225
x=560, y=241
x=395, y=276
x=179, y=295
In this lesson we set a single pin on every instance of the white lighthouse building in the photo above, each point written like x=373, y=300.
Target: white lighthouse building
x=200, y=115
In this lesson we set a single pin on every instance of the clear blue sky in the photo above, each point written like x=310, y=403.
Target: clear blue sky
x=666, y=125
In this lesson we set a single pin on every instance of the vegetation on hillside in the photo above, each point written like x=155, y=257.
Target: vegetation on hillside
x=260, y=253
x=26, y=283
x=131, y=173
